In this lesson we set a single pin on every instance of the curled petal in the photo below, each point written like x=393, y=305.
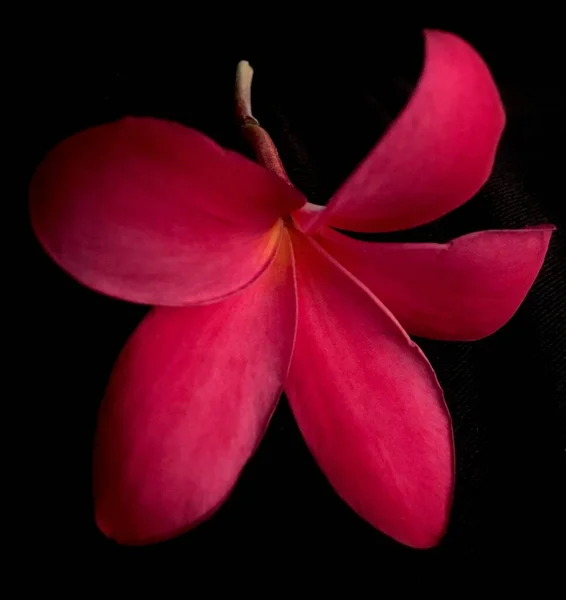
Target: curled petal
x=153, y=212
x=464, y=290
x=368, y=404
x=187, y=404
x=436, y=155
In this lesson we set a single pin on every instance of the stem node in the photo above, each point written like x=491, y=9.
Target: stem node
x=258, y=138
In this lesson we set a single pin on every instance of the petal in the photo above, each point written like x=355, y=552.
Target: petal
x=154, y=212
x=436, y=155
x=369, y=404
x=463, y=290
x=187, y=404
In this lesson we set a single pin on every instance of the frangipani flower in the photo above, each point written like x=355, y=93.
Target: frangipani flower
x=256, y=294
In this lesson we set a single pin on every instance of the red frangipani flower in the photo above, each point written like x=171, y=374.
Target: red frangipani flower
x=256, y=295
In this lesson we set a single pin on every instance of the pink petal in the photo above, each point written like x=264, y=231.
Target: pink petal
x=188, y=402
x=369, y=404
x=463, y=290
x=153, y=212
x=435, y=156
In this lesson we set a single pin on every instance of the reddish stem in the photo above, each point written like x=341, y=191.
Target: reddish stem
x=258, y=138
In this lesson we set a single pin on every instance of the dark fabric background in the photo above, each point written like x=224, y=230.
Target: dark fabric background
x=325, y=105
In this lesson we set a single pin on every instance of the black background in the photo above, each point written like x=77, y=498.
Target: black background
x=325, y=99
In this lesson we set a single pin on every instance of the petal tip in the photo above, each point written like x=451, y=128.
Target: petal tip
x=119, y=533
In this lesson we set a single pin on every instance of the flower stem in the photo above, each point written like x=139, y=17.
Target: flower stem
x=256, y=136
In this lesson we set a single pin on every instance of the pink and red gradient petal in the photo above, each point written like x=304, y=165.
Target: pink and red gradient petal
x=154, y=212
x=464, y=290
x=435, y=156
x=188, y=402
x=368, y=404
